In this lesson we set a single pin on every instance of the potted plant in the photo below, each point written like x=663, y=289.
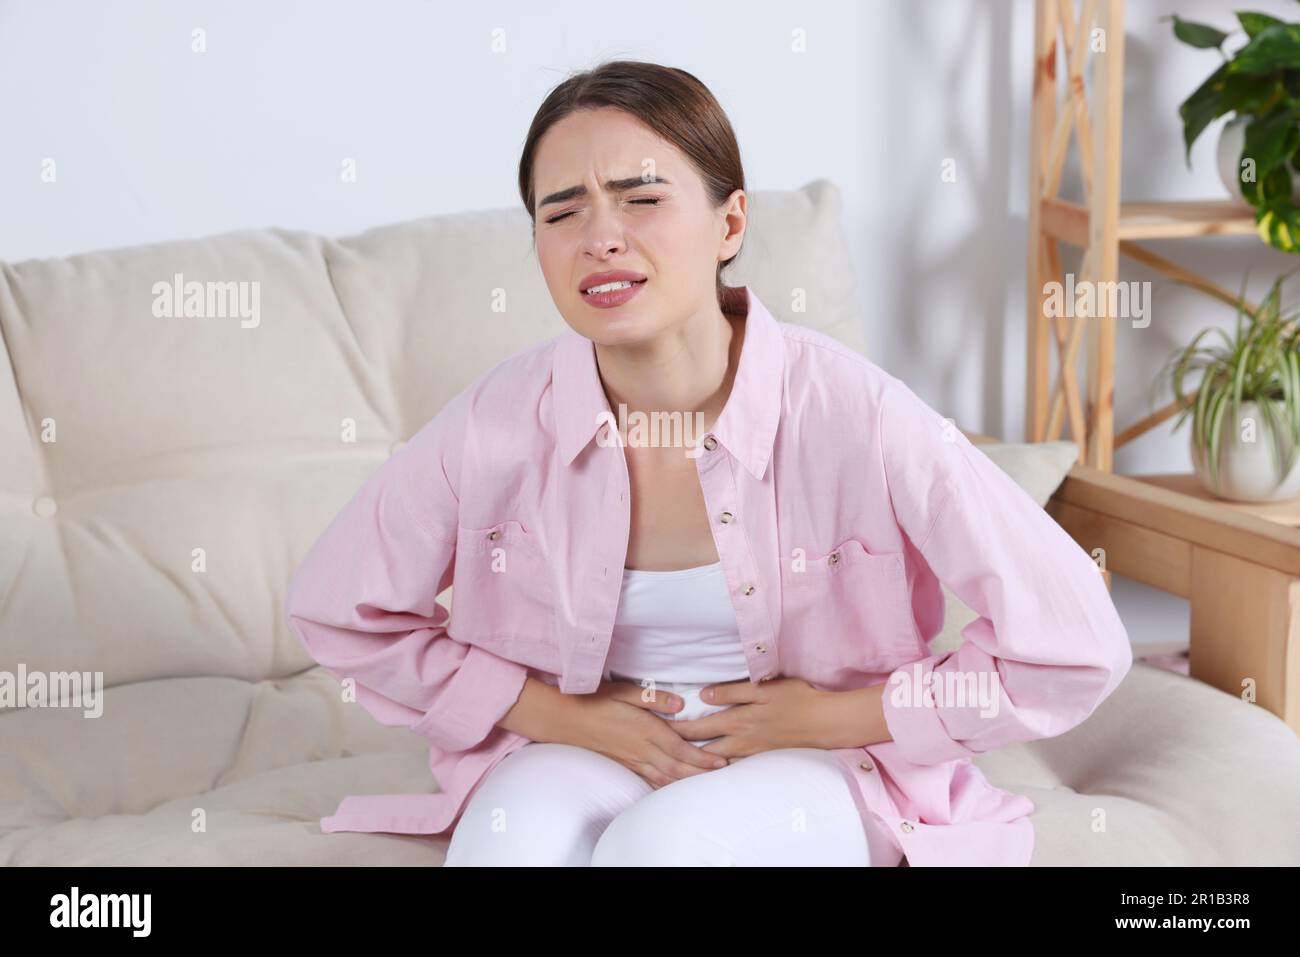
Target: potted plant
x=1246, y=410
x=1260, y=84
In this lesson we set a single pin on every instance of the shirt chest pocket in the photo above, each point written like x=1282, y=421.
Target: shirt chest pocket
x=501, y=591
x=850, y=609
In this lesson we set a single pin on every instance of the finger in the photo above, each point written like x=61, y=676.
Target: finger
x=724, y=747
x=687, y=753
x=651, y=774
x=709, y=726
x=651, y=699
x=731, y=692
x=678, y=770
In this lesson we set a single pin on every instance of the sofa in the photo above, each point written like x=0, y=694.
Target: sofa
x=180, y=421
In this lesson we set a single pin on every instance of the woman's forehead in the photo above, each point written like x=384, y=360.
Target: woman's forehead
x=585, y=146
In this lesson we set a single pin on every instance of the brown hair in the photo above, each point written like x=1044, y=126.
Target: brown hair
x=671, y=102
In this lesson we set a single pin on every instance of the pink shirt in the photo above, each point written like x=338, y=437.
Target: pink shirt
x=838, y=502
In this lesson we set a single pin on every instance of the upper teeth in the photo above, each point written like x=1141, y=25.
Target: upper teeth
x=611, y=286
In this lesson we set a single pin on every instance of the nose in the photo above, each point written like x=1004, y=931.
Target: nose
x=605, y=233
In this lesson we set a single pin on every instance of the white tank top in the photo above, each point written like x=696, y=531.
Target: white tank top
x=679, y=629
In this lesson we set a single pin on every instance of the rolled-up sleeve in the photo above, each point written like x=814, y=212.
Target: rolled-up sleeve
x=363, y=601
x=1049, y=644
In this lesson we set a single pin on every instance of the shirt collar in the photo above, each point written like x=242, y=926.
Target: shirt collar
x=747, y=426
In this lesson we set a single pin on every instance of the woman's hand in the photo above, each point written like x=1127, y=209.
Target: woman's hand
x=618, y=720
x=782, y=713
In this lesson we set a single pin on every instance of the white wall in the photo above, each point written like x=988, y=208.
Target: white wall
x=154, y=141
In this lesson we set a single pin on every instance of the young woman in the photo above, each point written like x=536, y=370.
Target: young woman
x=673, y=647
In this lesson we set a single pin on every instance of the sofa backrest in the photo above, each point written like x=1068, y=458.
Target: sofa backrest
x=168, y=459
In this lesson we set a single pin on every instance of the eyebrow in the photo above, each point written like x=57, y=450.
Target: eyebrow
x=613, y=185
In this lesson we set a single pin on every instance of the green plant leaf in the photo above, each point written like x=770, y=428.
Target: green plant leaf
x=1206, y=104
x=1198, y=35
x=1179, y=365
x=1276, y=47
x=1288, y=395
x=1289, y=376
x=1293, y=369
x=1278, y=224
x=1276, y=437
x=1281, y=448
x=1272, y=139
x=1253, y=23
x=1269, y=143
x=1248, y=94
x=1200, y=419
x=1217, y=407
x=1239, y=375
x=1275, y=187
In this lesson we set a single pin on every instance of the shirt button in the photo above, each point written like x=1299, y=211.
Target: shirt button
x=906, y=826
x=867, y=766
x=45, y=506
x=710, y=443
x=494, y=535
x=834, y=558
x=725, y=517
x=748, y=590
x=761, y=649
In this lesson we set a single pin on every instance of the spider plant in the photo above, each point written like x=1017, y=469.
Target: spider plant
x=1260, y=363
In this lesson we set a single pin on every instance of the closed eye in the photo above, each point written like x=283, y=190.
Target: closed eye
x=645, y=199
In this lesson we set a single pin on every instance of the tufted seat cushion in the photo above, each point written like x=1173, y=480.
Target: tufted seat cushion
x=1145, y=780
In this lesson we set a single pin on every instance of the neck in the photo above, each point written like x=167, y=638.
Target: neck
x=687, y=368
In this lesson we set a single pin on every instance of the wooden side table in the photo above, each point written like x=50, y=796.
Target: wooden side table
x=1284, y=513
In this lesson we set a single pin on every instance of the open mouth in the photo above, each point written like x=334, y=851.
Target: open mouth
x=612, y=286
x=610, y=295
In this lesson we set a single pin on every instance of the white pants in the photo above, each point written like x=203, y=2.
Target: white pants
x=551, y=804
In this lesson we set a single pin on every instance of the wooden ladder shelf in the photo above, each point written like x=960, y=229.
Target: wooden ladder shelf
x=1103, y=226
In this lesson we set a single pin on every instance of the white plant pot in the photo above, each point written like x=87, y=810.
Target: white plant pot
x=1232, y=137
x=1246, y=469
